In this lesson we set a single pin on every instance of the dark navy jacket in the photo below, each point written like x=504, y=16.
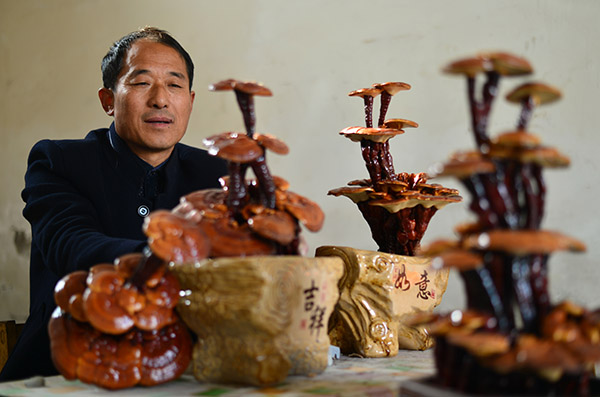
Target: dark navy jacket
x=86, y=200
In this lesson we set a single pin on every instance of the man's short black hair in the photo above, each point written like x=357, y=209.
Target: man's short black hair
x=113, y=60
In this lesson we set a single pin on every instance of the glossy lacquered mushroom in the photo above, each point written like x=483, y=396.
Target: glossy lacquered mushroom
x=493, y=65
x=388, y=90
x=244, y=91
x=175, y=239
x=529, y=95
x=124, y=306
x=118, y=361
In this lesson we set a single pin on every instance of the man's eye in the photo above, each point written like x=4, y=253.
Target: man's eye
x=140, y=83
x=175, y=85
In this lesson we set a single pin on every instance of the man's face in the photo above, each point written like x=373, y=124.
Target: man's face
x=151, y=101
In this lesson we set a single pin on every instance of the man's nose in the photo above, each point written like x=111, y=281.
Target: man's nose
x=158, y=97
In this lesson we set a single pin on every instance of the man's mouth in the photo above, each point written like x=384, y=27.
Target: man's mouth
x=159, y=120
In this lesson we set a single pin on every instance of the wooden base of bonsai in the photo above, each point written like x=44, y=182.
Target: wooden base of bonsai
x=376, y=292
x=259, y=319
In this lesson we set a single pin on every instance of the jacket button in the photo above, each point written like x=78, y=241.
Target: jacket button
x=143, y=211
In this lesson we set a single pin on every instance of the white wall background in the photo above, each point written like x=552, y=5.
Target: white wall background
x=311, y=53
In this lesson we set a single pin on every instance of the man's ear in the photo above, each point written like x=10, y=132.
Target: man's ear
x=107, y=99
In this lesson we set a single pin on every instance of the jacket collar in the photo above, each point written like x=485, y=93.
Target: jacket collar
x=134, y=168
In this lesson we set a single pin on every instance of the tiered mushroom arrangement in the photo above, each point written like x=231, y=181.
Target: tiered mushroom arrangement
x=249, y=217
x=116, y=326
x=397, y=207
x=511, y=338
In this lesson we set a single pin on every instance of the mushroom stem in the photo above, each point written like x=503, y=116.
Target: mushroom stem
x=237, y=185
x=147, y=266
x=246, y=104
x=387, y=162
x=536, y=171
x=386, y=98
x=521, y=281
x=539, y=286
x=509, y=211
x=480, y=110
x=368, y=99
x=527, y=105
x=482, y=295
x=370, y=153
x=480, y=204
x=532, y=207
x=265, y=181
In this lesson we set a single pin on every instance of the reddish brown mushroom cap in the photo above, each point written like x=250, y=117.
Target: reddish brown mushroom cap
x=166, y=293
x=469, y=66
x=523, y=242
x=366, y=92
x=101, y=304
x=274, y=225
x=248, y=87
x=481, y=344
x=357, y=134
x=306, y=211
x=501, y=62
x=69, y=339
x=153, y=317
x=540, y=93
x=111, y=362
x=465, y=164
x=508, y=64
x=68, y=294
x=165, y=354
x=354, y=193
x=399, y=124
x=231, y=146
x=272, y=143
x=517, y=139
x=209, y=203
x=392, y=87
x=449, y=254
x=541, y=155
x=228, y=238
x=175, y=239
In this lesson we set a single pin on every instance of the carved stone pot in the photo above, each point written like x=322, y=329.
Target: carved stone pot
x=259, y=319
x=376, y=292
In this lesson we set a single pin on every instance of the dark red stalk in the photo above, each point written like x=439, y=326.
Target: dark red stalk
x=246, y=104
x=236, y=190
x=480, y=110
x=386, y=98
x=265, y=181
x=523, y=294
x=147, y=266
x=368, y=110
x=527, y=106
x=539, y=287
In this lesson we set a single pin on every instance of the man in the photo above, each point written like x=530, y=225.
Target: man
x=86, y=199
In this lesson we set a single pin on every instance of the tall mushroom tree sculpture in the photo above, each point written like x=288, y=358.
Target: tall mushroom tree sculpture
x=249, y=217
x=397, y=207
x=526, y=345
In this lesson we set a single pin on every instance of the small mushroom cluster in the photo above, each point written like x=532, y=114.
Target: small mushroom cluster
x=397, y=207
x=524, y=343
x=249, y=217
x=115, y=326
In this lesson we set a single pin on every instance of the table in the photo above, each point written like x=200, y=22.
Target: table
x=348, y=376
